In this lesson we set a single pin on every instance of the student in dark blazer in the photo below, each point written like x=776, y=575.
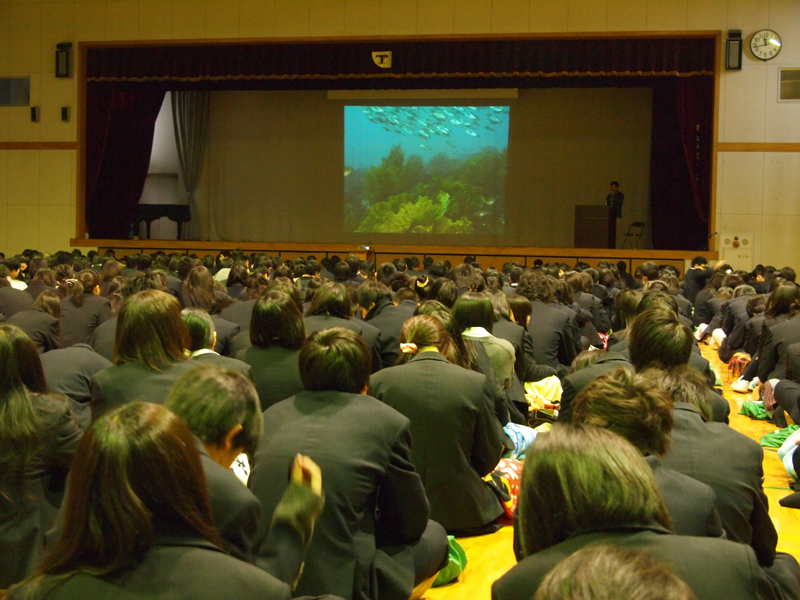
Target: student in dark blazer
x=139, y=479
x=588, y=366
x=456, y=439
x=44, y=280
x=600, y=468
x=276, y=334
x=373, y=538
x=149, y=353
x=41, y=322
x=378, y=309
x=203, y=339
x=12, y=300
x=82, y=309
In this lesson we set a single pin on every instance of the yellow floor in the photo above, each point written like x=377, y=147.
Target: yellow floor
x=490, y=556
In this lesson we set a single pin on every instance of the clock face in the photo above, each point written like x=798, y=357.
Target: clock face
x=765, y=44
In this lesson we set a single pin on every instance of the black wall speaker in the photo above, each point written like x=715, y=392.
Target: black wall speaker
x=65, y=114
x=34, y=114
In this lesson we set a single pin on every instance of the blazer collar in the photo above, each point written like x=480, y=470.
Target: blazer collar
x=429, y=356
x=623, y=528
x=686, y=407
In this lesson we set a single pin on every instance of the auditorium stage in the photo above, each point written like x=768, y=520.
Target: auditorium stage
x=487, y=256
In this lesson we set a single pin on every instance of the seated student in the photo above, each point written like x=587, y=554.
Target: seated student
x=203, y=339
x=781, y=329
x=43, y=280
x=608, y=572
x=373, y=538
x=582, y=486
x=588, y=366
x=276, y=334
x=12, y=300
x=455, y=432
x=137, y=522
x=38, y=437
x=378, y=309
x=630, y=406
x=729, y=462
x=41, y=322
x=148, y=354
x=221, y=409
x=83, y=309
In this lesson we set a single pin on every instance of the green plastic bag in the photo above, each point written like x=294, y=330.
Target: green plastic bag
x=754, y=410
x=457, y=562
x=776, y=438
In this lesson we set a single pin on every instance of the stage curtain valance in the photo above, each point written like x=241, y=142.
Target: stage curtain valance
x=423, y=64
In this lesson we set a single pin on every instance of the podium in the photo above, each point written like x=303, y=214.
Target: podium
x=595, y=226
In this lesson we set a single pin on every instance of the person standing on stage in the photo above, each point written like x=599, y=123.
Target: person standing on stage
x=615, y=199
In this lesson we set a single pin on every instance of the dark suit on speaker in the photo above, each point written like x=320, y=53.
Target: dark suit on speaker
x=42, y=327
x=454, y=432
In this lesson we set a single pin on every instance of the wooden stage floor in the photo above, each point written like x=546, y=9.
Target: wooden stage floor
x=491, y=556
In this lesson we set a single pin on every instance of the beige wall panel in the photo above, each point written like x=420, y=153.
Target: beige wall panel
x=362, y=17
x=4, y=229
x=743, y=223
x=56, y=227
x=510, y=16
x=5, y=42
x=588, y=15
x=25, y=38
x=3, y=177
x=90, y=21
x=398, y=17
x=291, y=18
x=23, y=177
x=707, y=15
x=782, y=183
x=4, y=116
x=748, y=15
x=57, y=177
x=222, y=18
x=435, y=17
x=57, y=26
x=745, y=104
x=780, y=244
x=783, y=118
x=58, y=92
x=326, y=18
x=742, y=182
x=122, y=20
x=23, y=229
x=548, y=16
x=667, y=15
x=721, y=110
x=627, y=15
x=188, y=19
x=155, y=20
x=20, y=127
x=782, y=15
x=257, y=18
x=473, y=16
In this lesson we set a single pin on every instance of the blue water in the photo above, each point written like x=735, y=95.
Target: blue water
x=370, y=132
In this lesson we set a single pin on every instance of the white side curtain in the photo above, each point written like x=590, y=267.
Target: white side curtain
x=190, y=111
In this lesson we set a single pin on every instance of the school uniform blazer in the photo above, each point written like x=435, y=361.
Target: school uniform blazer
x=593, y=304
x=38, y=286
x=731, y=464
x=551, y=330
x=454, y=433
x=13, y=301
x=276, y=373
x=42, y=327
x=524, y=362
x=79, y=322
x=684, y=306
x=226, y=331
x=575, y=382
x=714, y=569
x=239, y=313
x=104, y=338
x=389, y=319
x=175, y=567
x=131, y=382
x=373, y=496
x=368, y=332
x=224, y=362
x=772, y=352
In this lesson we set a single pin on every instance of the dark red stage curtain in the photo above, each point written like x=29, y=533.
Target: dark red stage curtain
x=680, y=162
x=415, y=64
x=119, y=139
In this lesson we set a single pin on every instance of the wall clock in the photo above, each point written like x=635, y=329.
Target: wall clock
x=765, y=44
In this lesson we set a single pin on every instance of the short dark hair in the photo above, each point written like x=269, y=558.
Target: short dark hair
x=616, y=183
x=331, y=298
x=684, y=384
x=474, y=309
x=201, y=328
x=386, y=273
x=445, y=291
x=658, y=339
x=699, y=260
x=276, y=321
x=535, y=285
x=370, y=292
x=212, y=400
x=335, y=359
x=628, y=405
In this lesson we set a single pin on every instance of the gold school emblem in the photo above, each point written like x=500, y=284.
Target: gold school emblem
x=383, y=59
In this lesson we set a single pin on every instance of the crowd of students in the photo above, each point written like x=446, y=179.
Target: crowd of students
x=367, y=411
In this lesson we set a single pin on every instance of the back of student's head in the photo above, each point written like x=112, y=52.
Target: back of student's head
x=372, y=292
x=579, y=477
x=335, y=359
x=386, y=273
x=150, y=330
x=784, y=299
x=535, y=285
x=201, y=328
x=474, y=309
x=658, y=339
x=683, y=384
x=628, y=405
x=422, y=331
x=276, y=321
x=211, y=401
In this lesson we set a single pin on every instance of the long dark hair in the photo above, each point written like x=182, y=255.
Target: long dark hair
x=465, y=356
x=85, y=283
x=331, y=299
x=276, y=321
x=136, y=474
x=199, y=286
x=426, y=330
x=150, y=330
x=784, y=300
